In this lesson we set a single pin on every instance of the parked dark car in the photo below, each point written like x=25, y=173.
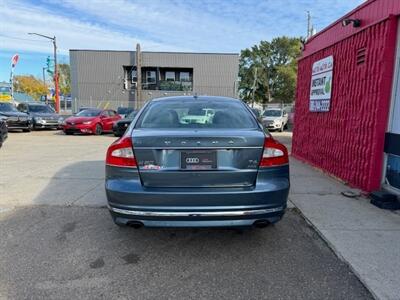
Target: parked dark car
x=168, y=172
x=124, y=111
x=120, y=126
x=43, y=116
x=91, y=121
x=15, y=118
x=3, y=130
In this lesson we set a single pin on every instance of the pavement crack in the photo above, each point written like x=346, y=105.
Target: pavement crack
x=84, y=194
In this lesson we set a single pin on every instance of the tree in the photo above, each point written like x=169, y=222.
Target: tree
x=30, y=85
x=64, y=79
x=268, y=70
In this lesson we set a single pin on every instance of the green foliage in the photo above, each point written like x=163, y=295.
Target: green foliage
x=30, y=85
x=64, y=79
x=268, y=71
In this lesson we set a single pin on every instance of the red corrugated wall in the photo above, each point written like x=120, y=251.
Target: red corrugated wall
x=348, y=140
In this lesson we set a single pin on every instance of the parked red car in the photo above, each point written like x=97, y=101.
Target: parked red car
x=91, y=121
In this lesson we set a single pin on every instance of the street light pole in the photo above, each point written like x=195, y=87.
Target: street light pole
x=57, y=89
x=44, y=76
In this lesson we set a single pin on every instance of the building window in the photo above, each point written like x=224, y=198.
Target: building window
x=170, y=76
x=150, y=76
x=134, y=75
x=184, y=76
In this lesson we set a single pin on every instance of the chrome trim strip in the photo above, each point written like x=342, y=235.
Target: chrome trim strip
x=196, y=147
x=194, y=213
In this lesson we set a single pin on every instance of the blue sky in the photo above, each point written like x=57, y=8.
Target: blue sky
x=159, y=25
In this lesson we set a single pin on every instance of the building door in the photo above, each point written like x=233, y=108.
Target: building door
x=392, y=138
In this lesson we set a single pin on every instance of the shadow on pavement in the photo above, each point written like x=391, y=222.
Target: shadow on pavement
x=65, y=249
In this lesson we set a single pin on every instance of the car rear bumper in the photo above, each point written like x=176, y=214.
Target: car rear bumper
x=197, y=218
x=129, y=201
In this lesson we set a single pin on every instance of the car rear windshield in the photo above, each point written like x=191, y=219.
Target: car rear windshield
x=196, y=114
x=88, y=113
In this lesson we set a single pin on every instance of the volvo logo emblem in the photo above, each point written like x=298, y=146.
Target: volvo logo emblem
x=192, y=160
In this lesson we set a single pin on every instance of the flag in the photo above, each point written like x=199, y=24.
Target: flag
x=14, y=60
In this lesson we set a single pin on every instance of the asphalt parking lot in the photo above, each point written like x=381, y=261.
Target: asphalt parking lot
x=58, y=240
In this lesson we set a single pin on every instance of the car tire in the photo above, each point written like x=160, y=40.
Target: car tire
x=27, y=129
x=68, y=133
x=282, y=128
x=98, y=130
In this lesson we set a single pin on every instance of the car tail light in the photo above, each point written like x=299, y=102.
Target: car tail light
x=120, y=153
x=274, y=154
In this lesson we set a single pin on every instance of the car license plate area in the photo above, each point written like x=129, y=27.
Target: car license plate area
x=198, y=160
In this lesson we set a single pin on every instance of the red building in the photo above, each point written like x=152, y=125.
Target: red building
x=347, y=115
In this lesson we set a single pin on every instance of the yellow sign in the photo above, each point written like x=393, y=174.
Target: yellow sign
x=5, y=97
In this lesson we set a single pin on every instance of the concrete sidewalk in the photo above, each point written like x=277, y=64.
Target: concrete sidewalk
x=364, y=236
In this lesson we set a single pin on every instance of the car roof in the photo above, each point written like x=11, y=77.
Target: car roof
x=35, y=103
x=198, y=98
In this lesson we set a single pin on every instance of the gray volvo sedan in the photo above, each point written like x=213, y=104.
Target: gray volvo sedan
x=196, y=161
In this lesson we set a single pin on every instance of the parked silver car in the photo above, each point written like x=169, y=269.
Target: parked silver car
x=275, y=119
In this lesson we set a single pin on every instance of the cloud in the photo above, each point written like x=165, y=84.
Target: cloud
x=208, y=25
x=160, y=25
x=22, y=18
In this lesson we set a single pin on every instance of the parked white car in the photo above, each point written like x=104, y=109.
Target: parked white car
x=275, y=119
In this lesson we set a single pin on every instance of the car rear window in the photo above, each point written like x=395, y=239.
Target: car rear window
x=196, y=114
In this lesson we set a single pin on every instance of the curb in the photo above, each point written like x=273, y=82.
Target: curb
x=337, y=253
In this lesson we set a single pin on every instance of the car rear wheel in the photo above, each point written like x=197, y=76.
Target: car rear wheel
x=98, y=130
x=27, y=129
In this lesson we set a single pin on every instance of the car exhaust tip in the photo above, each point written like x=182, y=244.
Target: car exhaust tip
x=261, y=223
x=135, y=224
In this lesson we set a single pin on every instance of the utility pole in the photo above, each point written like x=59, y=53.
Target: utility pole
x=254, y=87
x=309, y=29
x=57, y=89
x=138, y=76
x=44, y=76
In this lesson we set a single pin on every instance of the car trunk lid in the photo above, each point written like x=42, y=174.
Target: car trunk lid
x=198, y=158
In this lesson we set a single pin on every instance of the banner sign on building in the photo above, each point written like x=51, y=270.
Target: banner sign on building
x=321, y=85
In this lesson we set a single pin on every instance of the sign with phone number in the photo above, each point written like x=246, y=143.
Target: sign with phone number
x=321, y=85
